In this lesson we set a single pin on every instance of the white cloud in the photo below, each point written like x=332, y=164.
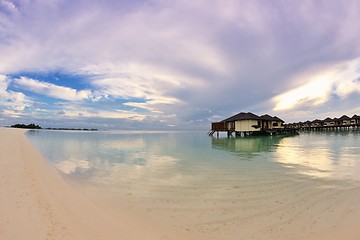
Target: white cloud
x=216, y=118
x=51, y=90
x=315, y=92
x=78, y=111
x=4, y=83
x=165, y=55
x=144, y=105
x=153, y=86
x=320, y=86
x=12, y=103
x=153, y=105
x=137, y=80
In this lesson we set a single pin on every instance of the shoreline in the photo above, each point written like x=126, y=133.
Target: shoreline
x=36, y=202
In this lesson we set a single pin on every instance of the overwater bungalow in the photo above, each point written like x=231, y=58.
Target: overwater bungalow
x=298, y=125
x=328, y=122
x=316, y=123
x=306, y=124
x=355, y=120
x=337, y=122
x=269, y=122
x=243, y=124
x=345, y=120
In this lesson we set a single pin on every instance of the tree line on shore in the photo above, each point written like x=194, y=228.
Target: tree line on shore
x=33, y=126
x=29, y=126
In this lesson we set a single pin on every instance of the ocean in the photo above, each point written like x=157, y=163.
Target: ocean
x=246, y=187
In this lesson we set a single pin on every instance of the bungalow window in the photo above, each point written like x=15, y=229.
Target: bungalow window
x=275, y=124
x=257, y=126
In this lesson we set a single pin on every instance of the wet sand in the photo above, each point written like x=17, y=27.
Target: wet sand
x=37, y=203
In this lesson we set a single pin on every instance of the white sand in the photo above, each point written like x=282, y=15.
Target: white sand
x=36, y=203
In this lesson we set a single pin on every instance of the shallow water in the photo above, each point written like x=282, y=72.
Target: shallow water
x=215, y=186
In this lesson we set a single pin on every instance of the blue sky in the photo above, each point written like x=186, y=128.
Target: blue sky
x=176, y=64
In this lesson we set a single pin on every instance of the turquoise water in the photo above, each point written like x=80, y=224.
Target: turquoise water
x=233, y=188
x=86, y=155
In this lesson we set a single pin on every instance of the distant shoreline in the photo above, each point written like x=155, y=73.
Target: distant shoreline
x=33, y=126
x=72, y=129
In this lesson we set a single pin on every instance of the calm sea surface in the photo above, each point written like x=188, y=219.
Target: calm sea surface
x=170, y=157
x=207, y=184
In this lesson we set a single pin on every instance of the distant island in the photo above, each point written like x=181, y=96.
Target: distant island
x=29, y=126
x=33, y=126
x=73, y=129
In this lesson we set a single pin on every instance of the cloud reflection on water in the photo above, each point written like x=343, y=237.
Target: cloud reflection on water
x=175, y=159
x=73, y=166
x=247, y=146
x=109, y=159
x=321, y=155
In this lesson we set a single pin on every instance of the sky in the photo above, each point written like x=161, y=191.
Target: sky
x=176, y=64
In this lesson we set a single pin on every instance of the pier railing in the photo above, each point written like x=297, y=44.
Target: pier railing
x=222, y=126
x=219, y=126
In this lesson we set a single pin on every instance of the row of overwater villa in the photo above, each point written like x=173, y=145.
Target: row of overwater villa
x=344, y=122
x=248, y=124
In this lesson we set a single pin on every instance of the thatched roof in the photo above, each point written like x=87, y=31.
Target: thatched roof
x=278, y=119
x=344, y=117
x=242, y=116
x=251, y=116
x=317, y=121
x=267, y=117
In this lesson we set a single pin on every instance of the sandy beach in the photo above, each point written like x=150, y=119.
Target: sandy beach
x=37, y=203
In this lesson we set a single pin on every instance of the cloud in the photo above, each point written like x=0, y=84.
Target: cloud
x=4, y=83
x=8, y=6
x=192, y=60
x=61, y=112
x=321, y=85
x=12, y=104
x=152, y=87
x=317, y=91
x=117, y=114
x=77, y=111
x=51, y=90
